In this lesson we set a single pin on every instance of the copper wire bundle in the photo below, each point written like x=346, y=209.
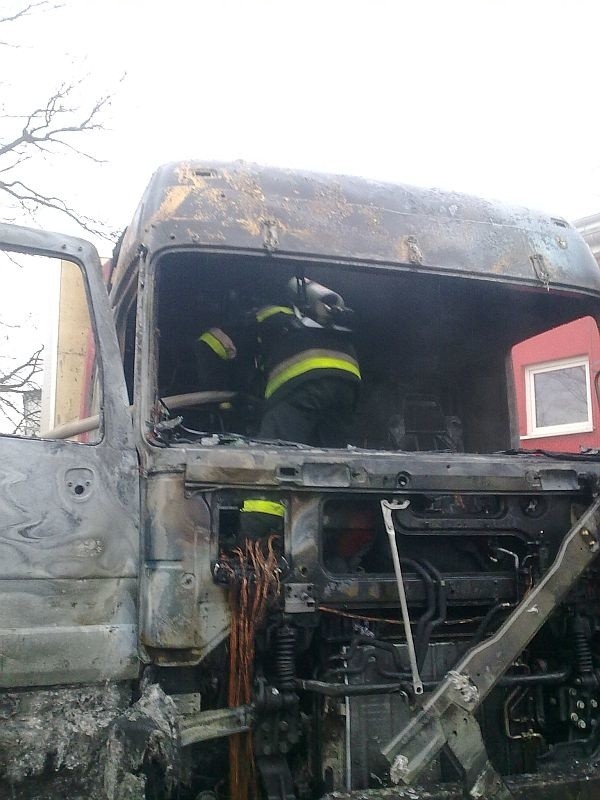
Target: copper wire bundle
x=254, y=581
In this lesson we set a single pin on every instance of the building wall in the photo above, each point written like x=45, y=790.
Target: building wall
x=579, y=338
x=69, y=368
x=72, y=345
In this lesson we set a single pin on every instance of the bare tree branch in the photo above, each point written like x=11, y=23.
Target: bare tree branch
x=29, y=422
x=7, y=404
x=13, y=260
x=45, y=130
x=58, y=124
x=20, y=376
x=21, y=382
x=17, y=162
x=29, y=199
x=55, y=127
x=23, y=12
x=42, y=126
x=83, y=154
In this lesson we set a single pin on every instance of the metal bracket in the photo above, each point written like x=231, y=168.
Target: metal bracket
x=270, y=235
x=214, y=724
x=415, y=255
x=589, y=538
x=299, y=598
x=188, y=703
x=276, y=777
x=446, y=719
x=540, y=268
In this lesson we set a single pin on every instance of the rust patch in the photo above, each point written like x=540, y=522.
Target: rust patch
x=373, y=220
x=401, y=250
x=216, y=198
x=211, y=235
x=500, y=267
x=189, y=175
x=251, y=226
x=195, y=184
x=245, y=184
x=249, y=202
x=174, y=197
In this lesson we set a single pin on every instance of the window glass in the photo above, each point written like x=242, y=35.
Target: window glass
x=561, y=396
x=48, y=370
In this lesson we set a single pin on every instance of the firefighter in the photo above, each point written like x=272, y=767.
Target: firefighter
x=215, y=352
x=217, y=370
x=311, y=375
x=311, y=379
x=307, y=364
x=260, y=517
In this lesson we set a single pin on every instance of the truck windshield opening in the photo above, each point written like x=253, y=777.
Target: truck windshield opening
x=264, y=349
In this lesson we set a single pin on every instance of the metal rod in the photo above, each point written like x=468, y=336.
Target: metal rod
x=536, y=679
x=74, y=428
x=348, y=735
x=346, y=689
x=386, y=509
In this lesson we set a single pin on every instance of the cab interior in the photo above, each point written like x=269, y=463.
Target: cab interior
x=433, y=349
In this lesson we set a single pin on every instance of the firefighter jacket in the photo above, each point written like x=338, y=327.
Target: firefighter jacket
x=294, y=349
x=215, y=352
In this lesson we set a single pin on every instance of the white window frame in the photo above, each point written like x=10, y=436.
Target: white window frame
x=537, y=432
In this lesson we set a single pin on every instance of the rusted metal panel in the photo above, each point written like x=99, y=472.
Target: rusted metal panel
x=215, y=724
x=87, y=601
x=46, y=656
x=246, y=207
x=372, y=471
x=48, y=529
x=62, y=631
x=69, y=523
x=181, y=607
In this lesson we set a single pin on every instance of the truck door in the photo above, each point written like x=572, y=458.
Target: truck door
x=69, y=507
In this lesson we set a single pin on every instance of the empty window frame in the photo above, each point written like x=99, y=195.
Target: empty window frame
x=558, y=397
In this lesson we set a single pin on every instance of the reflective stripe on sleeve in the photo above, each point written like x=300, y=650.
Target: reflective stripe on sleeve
x=219, y=343
x=264, y=507
x=270, y=311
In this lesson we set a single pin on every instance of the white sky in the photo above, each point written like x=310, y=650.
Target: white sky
x=497, y=98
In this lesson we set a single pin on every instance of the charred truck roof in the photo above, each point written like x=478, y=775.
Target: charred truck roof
x=248, y=208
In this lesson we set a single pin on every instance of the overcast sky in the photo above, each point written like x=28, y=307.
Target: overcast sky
x=493, y=98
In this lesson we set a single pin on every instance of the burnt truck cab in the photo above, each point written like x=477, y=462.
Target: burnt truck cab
x=437, y=618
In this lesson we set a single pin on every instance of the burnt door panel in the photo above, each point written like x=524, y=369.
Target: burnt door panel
x=69, y=507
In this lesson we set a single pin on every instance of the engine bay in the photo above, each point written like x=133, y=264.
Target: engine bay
x=330, y=664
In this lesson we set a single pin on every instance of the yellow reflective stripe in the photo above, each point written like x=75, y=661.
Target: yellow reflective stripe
x=270, y=311
x=311, y=352
x=264, y=507
x=214, y=344
x=305, y=366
